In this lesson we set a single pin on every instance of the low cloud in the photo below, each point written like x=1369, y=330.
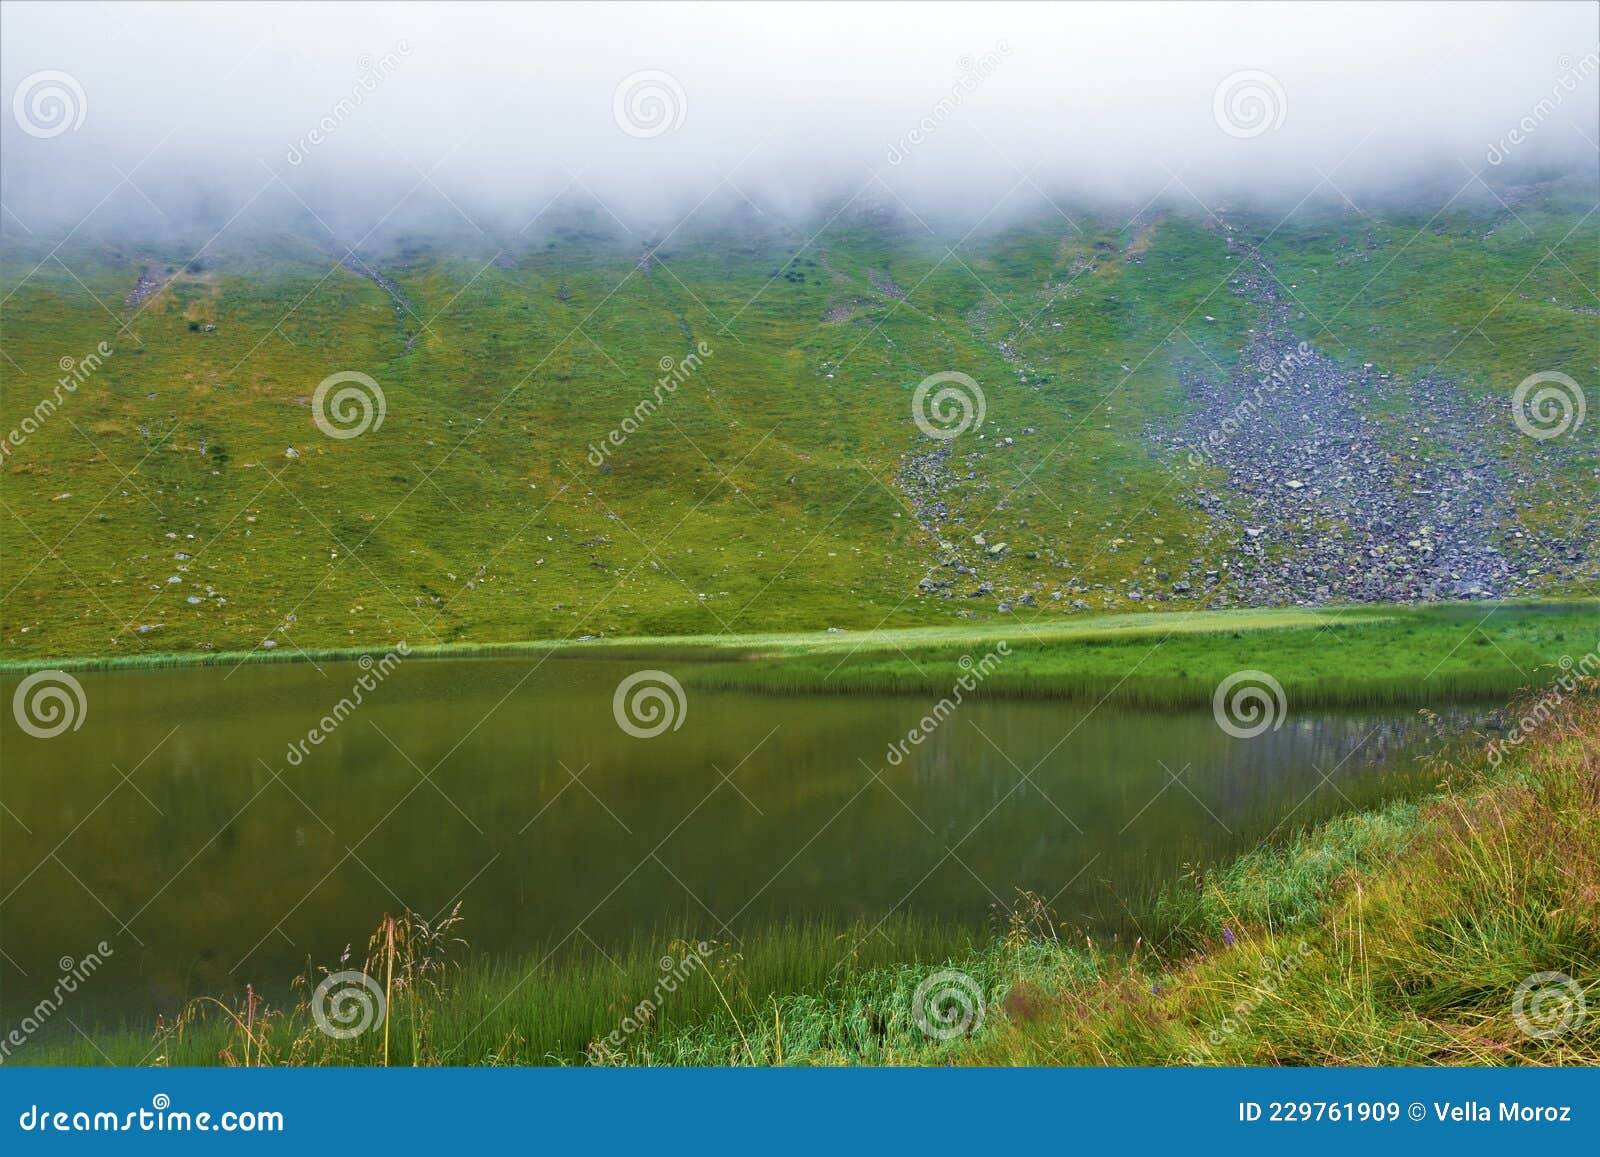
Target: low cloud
x=383, y=118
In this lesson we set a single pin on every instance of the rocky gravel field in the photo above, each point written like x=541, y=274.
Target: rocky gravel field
x=1321, y=480
x=1324, y=481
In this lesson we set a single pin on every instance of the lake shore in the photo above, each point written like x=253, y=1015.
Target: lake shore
x=1356, y=655
x=1405, y=935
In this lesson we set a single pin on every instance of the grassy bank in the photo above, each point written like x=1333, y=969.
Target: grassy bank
x=1410, y=951
x=1398, y=936
x=1356, y=655
x=1341, y=656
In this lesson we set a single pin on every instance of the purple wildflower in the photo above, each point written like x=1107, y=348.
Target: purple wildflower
x=1228, y=937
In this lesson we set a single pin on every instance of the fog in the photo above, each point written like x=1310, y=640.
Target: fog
x=377, y=117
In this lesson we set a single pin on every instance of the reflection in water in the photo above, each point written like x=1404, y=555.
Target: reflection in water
x=210, y=858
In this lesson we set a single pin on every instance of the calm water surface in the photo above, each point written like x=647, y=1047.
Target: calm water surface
x=174, y=826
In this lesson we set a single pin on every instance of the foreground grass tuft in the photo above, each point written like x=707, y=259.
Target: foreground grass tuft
x=1415, y=957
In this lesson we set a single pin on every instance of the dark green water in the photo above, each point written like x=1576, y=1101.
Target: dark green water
x=217, y=861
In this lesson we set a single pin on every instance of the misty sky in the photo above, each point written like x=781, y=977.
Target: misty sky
x=502, y=107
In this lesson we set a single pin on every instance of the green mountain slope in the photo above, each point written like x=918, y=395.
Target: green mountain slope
x=182, y=496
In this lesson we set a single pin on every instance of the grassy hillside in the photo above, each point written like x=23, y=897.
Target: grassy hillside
x=160, y=509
